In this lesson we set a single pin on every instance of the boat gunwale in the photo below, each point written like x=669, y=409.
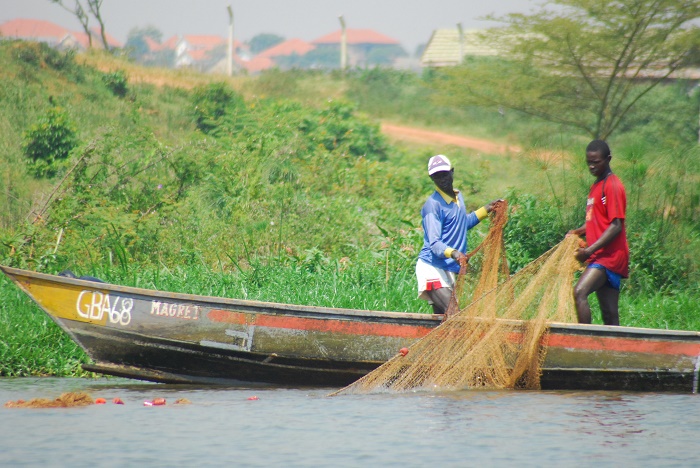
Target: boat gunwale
x=253, y=306
x=15, y=273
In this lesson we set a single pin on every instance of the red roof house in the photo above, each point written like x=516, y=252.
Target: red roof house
x=52, y=34
x=154, y=46
x=287, y=48
x=255, y=64
x=357, y=37
x=36, y=30
x=361, y=43
x=191, y=49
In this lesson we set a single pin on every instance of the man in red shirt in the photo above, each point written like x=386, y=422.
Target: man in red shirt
x=607, y=252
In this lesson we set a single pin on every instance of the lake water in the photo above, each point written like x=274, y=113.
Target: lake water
x=304, y=427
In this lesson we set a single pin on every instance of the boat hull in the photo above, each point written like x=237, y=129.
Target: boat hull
x=180, y=338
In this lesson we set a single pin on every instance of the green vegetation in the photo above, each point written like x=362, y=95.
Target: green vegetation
x=264, y=41
x=116, y=82
x=282, y=188
x=580, y=63
x=32, y=344
x=49, y=142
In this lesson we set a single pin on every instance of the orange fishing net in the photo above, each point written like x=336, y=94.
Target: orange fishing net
x=494, y=341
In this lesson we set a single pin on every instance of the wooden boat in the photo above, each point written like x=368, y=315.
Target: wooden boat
x=181, y=338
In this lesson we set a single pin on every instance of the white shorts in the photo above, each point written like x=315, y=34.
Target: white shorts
x=431, y=278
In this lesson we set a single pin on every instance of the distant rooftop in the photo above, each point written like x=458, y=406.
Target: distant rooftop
x=357, y=36
x=286, y=48
x=204, y=41
x=46, y=31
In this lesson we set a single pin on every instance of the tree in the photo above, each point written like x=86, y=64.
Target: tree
x=79, y=13
x=136, y=41
x=263, y=42
x=93, y=6
x=321, y=57
x=583, y=63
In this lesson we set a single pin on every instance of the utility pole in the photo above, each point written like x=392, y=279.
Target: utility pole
x=343, y=44
x=229, y=63
x=461, y=43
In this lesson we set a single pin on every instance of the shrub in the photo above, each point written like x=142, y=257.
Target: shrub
x=49, y=141
x=658, y=262
x=337, y=126
x=27, y=52
x=116, y=82
x=214, y=102
x=532, y=229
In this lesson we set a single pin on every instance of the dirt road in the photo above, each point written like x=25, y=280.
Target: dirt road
x=419, y=135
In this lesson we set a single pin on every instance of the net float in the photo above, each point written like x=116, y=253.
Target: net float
x=403, y=351
x=100, y=401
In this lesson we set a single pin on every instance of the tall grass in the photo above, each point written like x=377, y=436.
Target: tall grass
x=32, y=344
x=678, y=311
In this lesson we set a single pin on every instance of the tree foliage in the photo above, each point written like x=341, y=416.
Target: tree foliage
x=582, y=63
x=136, y=44
x=49, y=141
x=385, y=54
x=263, y=42
x=321, y=57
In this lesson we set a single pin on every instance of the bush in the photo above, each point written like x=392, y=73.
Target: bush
x=337, y=126
x=532, y=229
x=28, y=52
x=212, y=103
x=657, y=262
x=34, y=56
x=48, y=142
x=116, y=82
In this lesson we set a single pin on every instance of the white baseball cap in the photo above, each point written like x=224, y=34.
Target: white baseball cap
x=438, y=163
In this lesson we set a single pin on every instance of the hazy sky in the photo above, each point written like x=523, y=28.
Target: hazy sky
x=409, y=21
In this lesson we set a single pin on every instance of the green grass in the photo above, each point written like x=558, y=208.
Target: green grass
x=32, y=344
x=678, y=311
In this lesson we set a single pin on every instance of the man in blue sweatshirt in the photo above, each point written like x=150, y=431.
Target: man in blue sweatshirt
x=445, y=226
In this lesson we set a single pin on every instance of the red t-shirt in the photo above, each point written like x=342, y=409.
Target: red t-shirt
x=606, y=201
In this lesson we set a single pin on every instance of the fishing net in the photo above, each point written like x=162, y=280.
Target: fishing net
x=496, y=341
x=66, y=400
